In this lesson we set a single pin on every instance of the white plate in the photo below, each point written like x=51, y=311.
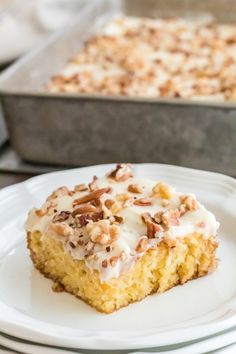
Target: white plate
x=30, y=310
x=216, y=344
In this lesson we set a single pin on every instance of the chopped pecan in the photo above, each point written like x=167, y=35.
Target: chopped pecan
x=40, y=212
x=134, y=188
x=152, y=226
x=143, y=202
x=189, y=202
x=142, y=245
x=168, y=217
x=62, y=228
x=104, y=263
x=102, y=232
x=93, y=185
x=113, y=260
x=88, y=208
x=121, y=173
x=162, y=190
x=119, y=219
x=125, y=199
x=113, y=206
x=62, y=216
x=81, y=188
x=83, y=219
x=91, y=196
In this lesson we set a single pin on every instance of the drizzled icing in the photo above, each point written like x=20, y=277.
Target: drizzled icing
x=118, y=256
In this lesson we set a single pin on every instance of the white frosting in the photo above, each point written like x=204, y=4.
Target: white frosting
x=131, y=231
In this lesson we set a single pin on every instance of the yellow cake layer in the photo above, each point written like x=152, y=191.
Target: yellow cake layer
x=156, y=271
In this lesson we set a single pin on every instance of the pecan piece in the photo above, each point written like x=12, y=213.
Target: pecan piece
x=83, y=219
x=91, y=196
x=125, y=199
x=189, y=202
x=113, y=261
x=143, y=202
x=93, y=185
x=118, y=219
x=40, y=212
x=121, y=173
x=113, y=206
x=152, y=226
x=62, y=216
x=102, y=232
x=162, y=190
x=81, y=188
x=104, y=263
x=142, y=245
x=168, y=218
x=134, y=188
x=88, y=208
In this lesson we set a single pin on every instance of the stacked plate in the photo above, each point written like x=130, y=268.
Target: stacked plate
x=199, y=317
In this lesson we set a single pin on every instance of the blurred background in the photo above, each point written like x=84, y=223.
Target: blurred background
x=24, y=24
x=45, y=133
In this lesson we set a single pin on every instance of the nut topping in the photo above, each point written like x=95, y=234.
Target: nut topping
x=121, y=173
x=126, y=199
x=152, y=226
x=62, y=216
x=113, y=206
x=91, y=196
x=162, y=190
x=113, y=261
x=134, y=188
x=168, y=218
x=142, y=245
x=40, y=212
x=88, y=208
x=92, y=185
x=84, y=219
x=188, y=202
x=104, y=263
x=119, y=219
x=143, y=202
x=81, y=188
x=102, y=232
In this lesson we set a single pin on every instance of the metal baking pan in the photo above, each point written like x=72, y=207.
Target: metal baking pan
x=88, y=129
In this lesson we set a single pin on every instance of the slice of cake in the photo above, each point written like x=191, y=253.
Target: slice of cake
x=121, y=238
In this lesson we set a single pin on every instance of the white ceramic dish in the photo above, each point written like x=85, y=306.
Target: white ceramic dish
x=216, y=345
x=30, y=310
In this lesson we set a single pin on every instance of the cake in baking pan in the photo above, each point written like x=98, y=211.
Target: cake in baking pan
x=193, y=59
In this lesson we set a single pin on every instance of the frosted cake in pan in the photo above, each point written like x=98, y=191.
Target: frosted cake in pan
x=143, y=57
